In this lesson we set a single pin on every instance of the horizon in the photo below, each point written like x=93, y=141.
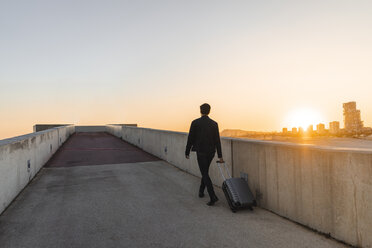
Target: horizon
x=261, y=66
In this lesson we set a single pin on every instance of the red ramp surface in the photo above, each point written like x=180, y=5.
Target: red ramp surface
x=97, y=149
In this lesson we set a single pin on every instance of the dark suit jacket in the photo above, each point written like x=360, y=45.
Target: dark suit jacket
x=204, y=137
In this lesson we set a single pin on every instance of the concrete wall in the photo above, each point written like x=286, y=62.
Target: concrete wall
x=22, y=157
x=88, y=129
x=129, y=125
x=104, y=128
x=42, y=127
x=114, y=129
x=329, y=190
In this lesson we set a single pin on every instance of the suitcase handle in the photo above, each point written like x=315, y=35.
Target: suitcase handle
x=226, y=169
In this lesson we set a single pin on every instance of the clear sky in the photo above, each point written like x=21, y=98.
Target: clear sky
x=155, y=62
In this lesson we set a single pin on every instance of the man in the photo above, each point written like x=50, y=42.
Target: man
x=204, y=138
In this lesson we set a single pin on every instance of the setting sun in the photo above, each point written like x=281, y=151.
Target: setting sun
x=303, y=117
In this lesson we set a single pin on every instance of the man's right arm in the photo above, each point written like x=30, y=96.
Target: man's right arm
x=190, y=139
x=218, y=142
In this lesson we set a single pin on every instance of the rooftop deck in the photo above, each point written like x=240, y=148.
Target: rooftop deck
x=99, y=191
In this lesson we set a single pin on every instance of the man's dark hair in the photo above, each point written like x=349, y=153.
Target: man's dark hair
x=205, y=109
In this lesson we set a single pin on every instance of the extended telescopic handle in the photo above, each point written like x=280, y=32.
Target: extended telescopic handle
x=226, y=169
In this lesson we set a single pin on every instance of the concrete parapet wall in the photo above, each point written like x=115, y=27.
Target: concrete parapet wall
x=42, y=127
x=88, y=129
x=329, y=190
x=114, y=129
x=22, y=157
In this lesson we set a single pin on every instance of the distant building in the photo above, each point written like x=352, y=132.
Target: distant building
x=294, y=130
x=320, y=128
x=367, y=131
x=300, y=130
x=352, y=121
x=310, y=129
x=285, y=130
x=334, y=127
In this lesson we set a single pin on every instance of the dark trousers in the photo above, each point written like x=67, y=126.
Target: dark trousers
x=204, y=161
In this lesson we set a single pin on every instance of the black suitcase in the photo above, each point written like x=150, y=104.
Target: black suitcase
x=237, y=192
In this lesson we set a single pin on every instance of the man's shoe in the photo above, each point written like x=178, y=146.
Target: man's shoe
x=201, y=194
x=212, y=201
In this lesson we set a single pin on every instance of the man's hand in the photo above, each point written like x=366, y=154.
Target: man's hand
x=187, y=156
x=221, y=160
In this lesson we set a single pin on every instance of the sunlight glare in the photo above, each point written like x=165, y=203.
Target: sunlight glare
x=304, y=117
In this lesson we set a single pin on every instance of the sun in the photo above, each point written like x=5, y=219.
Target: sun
x=303, y=117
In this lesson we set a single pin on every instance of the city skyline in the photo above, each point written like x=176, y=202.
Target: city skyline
x=155, y=63
x=353, y=124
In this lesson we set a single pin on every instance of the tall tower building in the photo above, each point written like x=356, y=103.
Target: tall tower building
x=352, y=120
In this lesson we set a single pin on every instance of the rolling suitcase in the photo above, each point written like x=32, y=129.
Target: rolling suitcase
x=237, y=192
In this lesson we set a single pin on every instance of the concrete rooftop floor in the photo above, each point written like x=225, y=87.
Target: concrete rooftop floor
x=145, y=202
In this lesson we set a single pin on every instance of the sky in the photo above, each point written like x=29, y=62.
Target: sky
x=155, y=62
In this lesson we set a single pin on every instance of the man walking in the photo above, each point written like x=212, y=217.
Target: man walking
x=204, y=138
